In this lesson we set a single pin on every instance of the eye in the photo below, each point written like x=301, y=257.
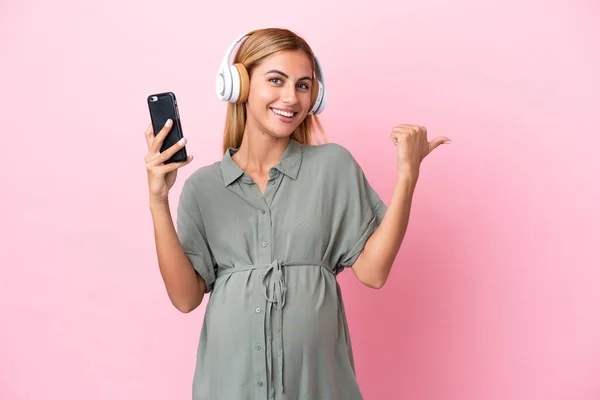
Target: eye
x=275, y=80
x=303, y=86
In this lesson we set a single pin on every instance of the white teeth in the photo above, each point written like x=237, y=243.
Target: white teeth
x=284, y=113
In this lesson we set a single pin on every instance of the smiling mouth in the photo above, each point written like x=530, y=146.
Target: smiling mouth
x=287, y=114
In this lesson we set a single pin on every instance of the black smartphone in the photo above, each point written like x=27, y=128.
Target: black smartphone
x=163, y=106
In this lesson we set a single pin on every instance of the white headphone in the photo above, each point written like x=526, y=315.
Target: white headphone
x=233, y=82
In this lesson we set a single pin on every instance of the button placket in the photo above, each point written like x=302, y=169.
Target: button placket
x=264, y=237
x=262, y=348
x=258, y=335
x=272, y=186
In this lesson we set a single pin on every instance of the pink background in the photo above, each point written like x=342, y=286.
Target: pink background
x=495, y=294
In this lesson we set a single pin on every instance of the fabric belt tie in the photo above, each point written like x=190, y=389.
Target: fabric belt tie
x=273, y=282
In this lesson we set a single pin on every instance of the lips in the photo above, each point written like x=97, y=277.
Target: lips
x=284, y=113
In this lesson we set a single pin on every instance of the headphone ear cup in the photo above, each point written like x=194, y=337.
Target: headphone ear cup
x=314, y=95
x=319, y=97
x=224, y=84
x=323, y=100
x=244, y=80
x=235, y=84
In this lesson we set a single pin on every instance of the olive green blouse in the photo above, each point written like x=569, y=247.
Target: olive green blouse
x=275, y=326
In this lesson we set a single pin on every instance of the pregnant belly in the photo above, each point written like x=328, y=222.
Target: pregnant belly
x=309, y=319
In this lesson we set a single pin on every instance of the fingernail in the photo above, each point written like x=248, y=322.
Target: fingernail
x=448, y=142
x=168, y=123
x=182, y=141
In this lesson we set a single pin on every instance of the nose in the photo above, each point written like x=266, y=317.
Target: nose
x=289, y=94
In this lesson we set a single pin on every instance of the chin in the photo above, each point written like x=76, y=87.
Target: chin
x=279, y=134
x=282, y=129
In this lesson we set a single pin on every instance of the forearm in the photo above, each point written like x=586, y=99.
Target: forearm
x=374, y=264
x=184, y=287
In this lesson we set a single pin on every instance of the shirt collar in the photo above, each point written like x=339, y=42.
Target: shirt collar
x=289, y=164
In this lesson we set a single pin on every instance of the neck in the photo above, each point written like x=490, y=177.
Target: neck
x=259, y=152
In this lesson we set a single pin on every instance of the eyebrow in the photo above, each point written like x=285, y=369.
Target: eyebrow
x=275, y=71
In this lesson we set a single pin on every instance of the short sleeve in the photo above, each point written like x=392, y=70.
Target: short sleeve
x=192, y=235
x=363, y=213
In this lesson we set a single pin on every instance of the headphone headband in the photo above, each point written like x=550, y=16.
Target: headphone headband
x=232, y=83
x=227, y=58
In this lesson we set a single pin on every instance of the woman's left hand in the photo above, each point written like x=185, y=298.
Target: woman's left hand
x=413, y=146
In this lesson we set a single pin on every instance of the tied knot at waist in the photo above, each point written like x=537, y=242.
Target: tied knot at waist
x=273, y=278
x=273, y=282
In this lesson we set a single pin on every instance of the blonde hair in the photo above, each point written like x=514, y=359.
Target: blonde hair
x=260, y=44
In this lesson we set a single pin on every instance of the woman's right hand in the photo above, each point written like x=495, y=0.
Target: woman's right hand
x=161, y=176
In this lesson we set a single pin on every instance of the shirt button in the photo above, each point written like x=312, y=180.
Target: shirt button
x=258, y=310
x=261, y=276
x=258, y=347
x=263, y=212
x=264, y=244
x=259, y=383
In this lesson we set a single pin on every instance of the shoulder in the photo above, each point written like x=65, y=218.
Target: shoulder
x=204, y=173
x=332, y=155
x=203, y=179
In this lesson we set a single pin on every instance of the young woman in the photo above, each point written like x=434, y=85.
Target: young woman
x=267, y=229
